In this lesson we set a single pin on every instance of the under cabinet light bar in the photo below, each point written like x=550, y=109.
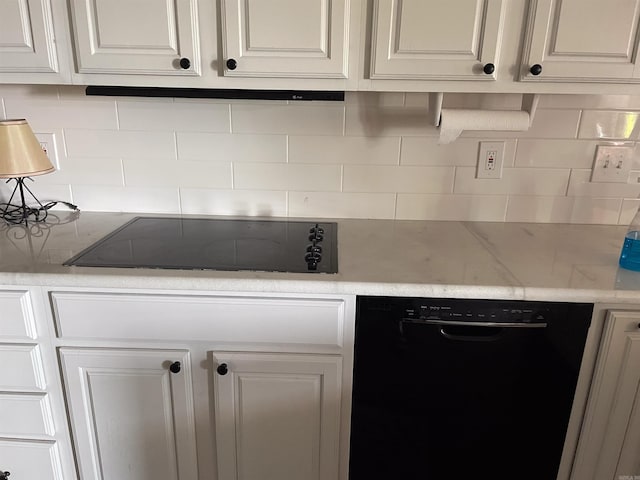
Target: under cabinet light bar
x=231, y=94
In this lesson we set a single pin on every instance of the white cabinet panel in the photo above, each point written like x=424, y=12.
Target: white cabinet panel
x=285, y=38
x=582, y=41
x=148, y=37
x=435, y=39
x=225, y=319
x=610, y=437
x=21, y=368
x=18, y=321
x=27, y=41
x=277, y=416
x=30, y=460
x=132, y=418
x=25, y=414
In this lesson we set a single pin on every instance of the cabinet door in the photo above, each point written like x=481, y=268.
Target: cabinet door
x=285, y=38
x=582, y=41
x=147, y=37
x=435, y=39
x=131, y=416
x=609, y=446
x=27, y=41
x=277, y=416
x=25, y=459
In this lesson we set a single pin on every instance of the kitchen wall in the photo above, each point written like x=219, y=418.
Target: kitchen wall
x=373, y=156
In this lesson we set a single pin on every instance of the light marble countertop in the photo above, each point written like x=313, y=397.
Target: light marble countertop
x=375, y=257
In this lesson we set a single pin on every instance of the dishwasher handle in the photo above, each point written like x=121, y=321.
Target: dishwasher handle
x=461, y=323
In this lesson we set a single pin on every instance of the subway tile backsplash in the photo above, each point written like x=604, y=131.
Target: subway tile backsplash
x=373, y=156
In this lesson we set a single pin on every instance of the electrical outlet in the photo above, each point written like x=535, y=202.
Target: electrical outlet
x=612, y=163
x=490, y=159
x=48, y=144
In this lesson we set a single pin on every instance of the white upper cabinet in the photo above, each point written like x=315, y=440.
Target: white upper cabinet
x=285, y=38
x=436, y=39
x=143, y=37
x=582, y=41
x=28, y=42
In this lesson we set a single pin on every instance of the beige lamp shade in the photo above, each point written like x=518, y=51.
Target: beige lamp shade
x=20, y=152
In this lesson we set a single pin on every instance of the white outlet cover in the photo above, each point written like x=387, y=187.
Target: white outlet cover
x=52, y=149
x=482, y=169
x=612, y=163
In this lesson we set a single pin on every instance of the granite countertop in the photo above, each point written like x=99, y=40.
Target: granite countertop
x=375, y=257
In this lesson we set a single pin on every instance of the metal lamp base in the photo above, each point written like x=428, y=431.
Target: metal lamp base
x=22, y=213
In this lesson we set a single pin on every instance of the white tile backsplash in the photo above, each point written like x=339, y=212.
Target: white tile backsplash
x=344, y=150
x=276, y=176
x=342, y=205
x=288, y=119
x=216, y=147
x=233, y=202
x=401, y=179
x=374, y=156
x=139, y=172
x=609, y=125
x=174, y=116
x=555, y=153
x=119, y=143
x=478, y=208
x=514, y=181
x=126, y=199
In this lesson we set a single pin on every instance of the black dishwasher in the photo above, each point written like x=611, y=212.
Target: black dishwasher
x=463, y=389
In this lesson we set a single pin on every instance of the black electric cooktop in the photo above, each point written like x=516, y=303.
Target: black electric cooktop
x=216, y=244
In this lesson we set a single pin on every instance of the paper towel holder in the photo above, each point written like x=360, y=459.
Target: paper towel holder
x=529, y=105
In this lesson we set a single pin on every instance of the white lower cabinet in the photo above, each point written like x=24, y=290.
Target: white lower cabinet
x=609, y=447
x=34, y=441
x=277, y=416
x=205, y=386
x=131, y=413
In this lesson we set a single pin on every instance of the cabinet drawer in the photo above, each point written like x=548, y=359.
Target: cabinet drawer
x=17, y=315
x=25, y=414
x=30, y=459
x=21, y=368
x=220, y=319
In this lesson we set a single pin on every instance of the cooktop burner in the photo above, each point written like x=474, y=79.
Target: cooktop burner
x=216, y=244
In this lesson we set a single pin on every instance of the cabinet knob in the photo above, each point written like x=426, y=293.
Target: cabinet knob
x=4, y=475
x=489, y=68
x=232, y=64
x=185, y=63
x=175, y=367
x=222, y=369
x=536, y=69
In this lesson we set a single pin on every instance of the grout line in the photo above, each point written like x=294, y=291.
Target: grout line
x=286, y=149
x=400, y=144
x=233, y=176
x=576, y=136
x=180, y=210
x=175, y=145
x=395, y=205
x=230, y=119
x=342, y=178
x=122, y=175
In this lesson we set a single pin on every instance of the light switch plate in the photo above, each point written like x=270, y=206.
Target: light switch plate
x=612, y=163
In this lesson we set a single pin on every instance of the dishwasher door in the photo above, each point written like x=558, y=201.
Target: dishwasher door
x=463, y=389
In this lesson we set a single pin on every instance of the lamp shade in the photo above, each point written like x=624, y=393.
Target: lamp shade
x=20, y=152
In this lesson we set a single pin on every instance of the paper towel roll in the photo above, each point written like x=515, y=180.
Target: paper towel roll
x=454, y=121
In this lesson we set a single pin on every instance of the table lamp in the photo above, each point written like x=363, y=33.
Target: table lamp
x=21, y=157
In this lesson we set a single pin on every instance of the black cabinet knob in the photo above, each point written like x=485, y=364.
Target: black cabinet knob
x=232, y=64
x=489, y=68
x=536, y=69
x=4, y=475
x=175, y=367
x=222, y=369
x=185, y=63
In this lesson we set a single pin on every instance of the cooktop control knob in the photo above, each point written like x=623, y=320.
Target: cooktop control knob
x=314, y=249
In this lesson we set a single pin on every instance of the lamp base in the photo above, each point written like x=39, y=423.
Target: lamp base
x=21, y=213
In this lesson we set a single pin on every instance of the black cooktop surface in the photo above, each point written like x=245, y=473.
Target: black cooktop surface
x=217, y=244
